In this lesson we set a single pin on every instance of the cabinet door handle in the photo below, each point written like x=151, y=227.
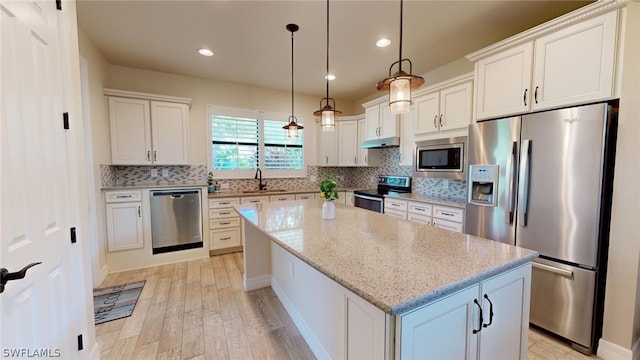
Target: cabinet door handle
x=139, y=212
x=535, y=95
x=475, y=301
x=148, y=155
x=155, y=155
x=326, y=160
x=524, y=97
x=435, y=118
x=355, y=159
x=366, y=157
x=490, y=312
x=440, y=122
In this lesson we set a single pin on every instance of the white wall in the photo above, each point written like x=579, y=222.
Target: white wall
x=97, y=68
x=622, y=306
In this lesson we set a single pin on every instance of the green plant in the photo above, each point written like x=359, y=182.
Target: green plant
x=328, y=188
x=210, y=178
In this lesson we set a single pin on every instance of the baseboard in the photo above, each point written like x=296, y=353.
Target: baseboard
x=102, y=275
x=306, y=332
x=257, y=282
x=610, y=351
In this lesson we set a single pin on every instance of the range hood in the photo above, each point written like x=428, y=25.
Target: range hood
x=381, y=143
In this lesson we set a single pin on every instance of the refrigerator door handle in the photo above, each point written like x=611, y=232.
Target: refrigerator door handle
x=511, y=177
x=523, y=203
x=553, y=269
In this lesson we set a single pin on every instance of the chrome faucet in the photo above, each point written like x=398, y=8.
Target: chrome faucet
x=261, y=186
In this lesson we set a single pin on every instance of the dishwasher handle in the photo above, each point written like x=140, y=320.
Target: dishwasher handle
x=174, y=194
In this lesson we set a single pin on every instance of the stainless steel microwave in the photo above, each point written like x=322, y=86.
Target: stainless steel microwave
x=441, y=158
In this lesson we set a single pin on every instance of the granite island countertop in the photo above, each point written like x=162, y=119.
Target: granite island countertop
x=235, y=193
x=394, y=264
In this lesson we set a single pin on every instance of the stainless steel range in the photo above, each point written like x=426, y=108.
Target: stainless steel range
x=373, y=199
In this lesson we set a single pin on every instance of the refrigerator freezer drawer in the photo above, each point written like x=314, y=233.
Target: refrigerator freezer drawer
x=562, y=299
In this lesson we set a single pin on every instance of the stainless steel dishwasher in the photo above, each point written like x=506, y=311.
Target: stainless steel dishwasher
x=176, y=220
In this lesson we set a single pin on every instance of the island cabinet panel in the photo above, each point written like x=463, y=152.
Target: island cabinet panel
x=441, y=329
x=335, y=322
x=488, y=320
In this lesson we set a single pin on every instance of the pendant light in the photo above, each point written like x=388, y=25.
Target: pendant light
x=328, y=112
x=400, y=84
x=292, y=127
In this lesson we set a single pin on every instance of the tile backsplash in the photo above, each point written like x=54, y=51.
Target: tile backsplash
x=353, y=177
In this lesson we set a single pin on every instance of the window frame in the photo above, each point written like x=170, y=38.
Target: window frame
x=260, y=116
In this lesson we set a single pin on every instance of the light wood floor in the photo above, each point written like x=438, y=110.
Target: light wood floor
x=198, y=310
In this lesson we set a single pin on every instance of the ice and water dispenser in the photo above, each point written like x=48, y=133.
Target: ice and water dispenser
x=483, y=184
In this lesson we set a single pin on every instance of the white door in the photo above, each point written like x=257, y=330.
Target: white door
x=170, y=133
x=43, y=311
x=130, y=125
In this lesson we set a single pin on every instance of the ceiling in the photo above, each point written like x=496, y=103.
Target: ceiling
x=251, y=45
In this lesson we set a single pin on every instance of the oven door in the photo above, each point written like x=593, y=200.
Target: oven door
x=368, y=202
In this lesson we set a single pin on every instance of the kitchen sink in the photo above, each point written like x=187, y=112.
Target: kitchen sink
x=262, y=191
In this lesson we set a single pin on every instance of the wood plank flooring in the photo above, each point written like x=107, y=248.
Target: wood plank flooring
x=198, y=310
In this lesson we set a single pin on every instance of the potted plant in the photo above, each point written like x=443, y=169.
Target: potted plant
x=329, y=192
x=210, y=181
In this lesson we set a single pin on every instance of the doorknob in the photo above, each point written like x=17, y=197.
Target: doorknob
x=6, y=276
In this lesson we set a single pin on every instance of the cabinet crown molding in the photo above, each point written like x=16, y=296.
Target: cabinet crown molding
x=146, y=96
x=584, y=13
x=444, y=84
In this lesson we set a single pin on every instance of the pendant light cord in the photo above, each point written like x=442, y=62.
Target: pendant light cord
x=400, y=51
x=327, y=75
x=292, y=76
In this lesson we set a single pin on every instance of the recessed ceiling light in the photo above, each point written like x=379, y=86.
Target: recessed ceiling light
x=205, y=52
x=383, y=42
x=330, y=77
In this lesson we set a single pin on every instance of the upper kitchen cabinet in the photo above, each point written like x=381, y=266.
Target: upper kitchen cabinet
x=380, y=122
x=348, y=142
x=148, y=129
x=327, y=147
x=550, y=66
x=341, y=147
x=444, y=106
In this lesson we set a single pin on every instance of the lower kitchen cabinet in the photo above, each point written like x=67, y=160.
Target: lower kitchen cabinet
x=224, y=226
x=489, y=320
x=124, y=220
x=444, y=217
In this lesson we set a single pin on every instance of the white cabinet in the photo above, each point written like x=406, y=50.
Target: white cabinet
x=307, y=196
x=145, y=132
x=366, y=157
x=503, y=82
x=578, y=63
x=485, y=321
x=380, y=122
x=327, y=147
x=283, y=197
x=348, y=145
x=124, y=220
x=224, y=226
x=570, y=66
x=443, y=109
x=444, y=217
x=254, y=199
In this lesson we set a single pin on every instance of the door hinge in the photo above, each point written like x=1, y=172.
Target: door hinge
x=80, y=344
x=73, y=235
x=59, y=4
x=65, y=120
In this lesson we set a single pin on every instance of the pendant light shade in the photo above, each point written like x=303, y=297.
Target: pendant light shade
x=327, y=110
x=400, y=83
x=292, y=127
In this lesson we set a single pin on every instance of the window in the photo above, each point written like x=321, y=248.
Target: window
x=243, y=140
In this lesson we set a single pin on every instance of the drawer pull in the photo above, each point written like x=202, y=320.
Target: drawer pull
x=419, y=209
x=123, y=196
x=224, y=203
x=447, y=214
x=225, y=223
x=254, y=201
x=396, y=205
x=225, y=238
x=225, y=213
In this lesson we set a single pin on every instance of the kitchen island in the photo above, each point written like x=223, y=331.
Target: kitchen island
x=365, y=285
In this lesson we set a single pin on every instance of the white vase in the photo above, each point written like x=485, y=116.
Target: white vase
x=328, y=210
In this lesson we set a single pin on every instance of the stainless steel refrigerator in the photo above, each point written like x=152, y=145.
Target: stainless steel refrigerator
x=543, y=181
